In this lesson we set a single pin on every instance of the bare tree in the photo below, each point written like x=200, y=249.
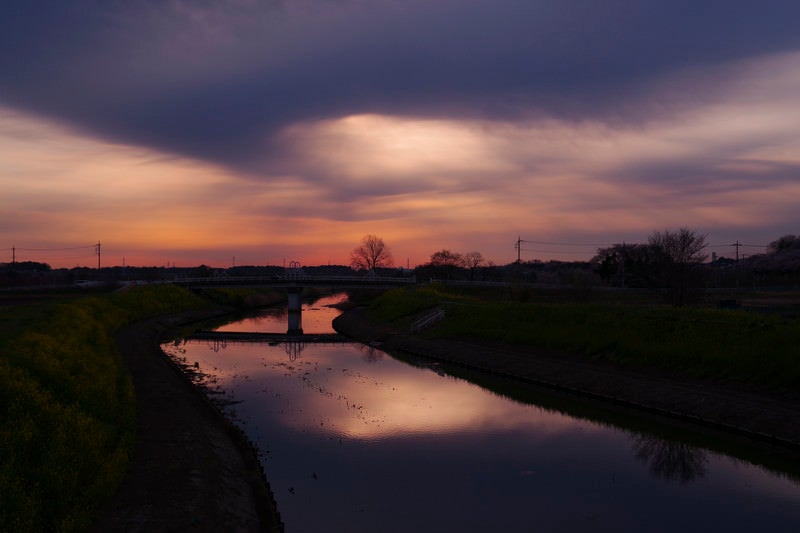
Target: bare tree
x=684, y=246
x=684, y=251
x=372, y=253
x=472, y=260
x=446, y=264
x=446, y=258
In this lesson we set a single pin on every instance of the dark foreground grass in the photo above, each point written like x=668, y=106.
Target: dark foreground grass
x=727, y=345
x=67, y=409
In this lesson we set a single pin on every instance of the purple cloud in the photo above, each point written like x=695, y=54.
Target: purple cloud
x=217, y=81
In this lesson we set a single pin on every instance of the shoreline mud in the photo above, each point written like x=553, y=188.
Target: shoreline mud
x=192, y=469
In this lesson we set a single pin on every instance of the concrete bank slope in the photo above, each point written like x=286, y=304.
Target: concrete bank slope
x=764, y=415
x=192, y=470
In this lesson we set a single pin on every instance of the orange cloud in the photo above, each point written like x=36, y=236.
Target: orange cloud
x=421, y=184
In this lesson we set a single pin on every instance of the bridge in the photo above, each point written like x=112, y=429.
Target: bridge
x=294, y=281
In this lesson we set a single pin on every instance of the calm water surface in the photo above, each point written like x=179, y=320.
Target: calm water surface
x=355, y=440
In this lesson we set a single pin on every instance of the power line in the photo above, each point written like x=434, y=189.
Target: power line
x=86, y=253
x=55, y=249
x=559, y=252
x=547, y=243
x=518, y=245
x=740, y=245
x=595, y=245
x=54, y=253
x=611, y=243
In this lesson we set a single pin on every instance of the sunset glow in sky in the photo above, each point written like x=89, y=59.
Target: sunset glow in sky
x=195, y=132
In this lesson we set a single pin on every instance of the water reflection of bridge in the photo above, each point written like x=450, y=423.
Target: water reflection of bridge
x=293, y=344
x=247, y=336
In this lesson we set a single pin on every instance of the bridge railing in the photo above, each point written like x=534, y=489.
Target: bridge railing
x=295, y=279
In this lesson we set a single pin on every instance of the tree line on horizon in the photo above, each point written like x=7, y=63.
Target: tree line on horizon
x=669, y=259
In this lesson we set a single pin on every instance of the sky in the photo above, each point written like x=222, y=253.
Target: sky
x=249, y=133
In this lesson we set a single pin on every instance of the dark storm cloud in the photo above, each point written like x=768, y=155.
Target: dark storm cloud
x=216, y=81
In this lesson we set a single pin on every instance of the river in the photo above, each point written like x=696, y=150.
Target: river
x=352, y=439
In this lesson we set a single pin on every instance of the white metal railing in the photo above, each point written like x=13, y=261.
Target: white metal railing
x=304, y=277
x=427, y=321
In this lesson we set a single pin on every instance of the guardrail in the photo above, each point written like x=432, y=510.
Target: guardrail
x=427, y=320
x=297, y=279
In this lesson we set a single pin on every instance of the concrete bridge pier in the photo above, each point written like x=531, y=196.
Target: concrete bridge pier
x=295, y=311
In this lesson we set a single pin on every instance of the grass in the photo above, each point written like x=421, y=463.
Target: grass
x=727, y=345
x=400, y=304
x=67, y=409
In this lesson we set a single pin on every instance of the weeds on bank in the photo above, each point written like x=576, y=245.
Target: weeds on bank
x=398, y=304
x=67, y=410
x=730, y=345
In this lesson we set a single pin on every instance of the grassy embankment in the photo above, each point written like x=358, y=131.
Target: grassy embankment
x=67, y=408
x=67, y=411
x=725, y=345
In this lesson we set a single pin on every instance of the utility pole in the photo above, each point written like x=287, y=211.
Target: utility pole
x=737, y=244
x=97, y=249
x=518, y=246
x=13, y=256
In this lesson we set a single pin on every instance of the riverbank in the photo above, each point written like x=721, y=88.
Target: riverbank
x=758, y=413
x=192, y=469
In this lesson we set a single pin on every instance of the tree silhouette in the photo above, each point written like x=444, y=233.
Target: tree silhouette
x=673, y=461
x=472, y=260
x=372, y=253
x=630, y=265
x=684, y=246
x=684, y=252
x=787, y=242
x=446, y=258
x=445, y=263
